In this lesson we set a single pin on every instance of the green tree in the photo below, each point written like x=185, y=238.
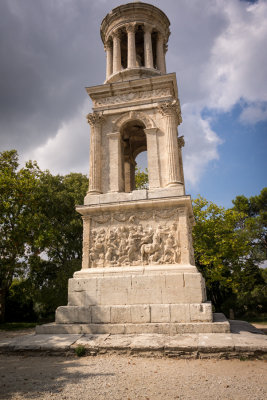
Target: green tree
x=60, y=238
x=16, y=191
x=41, y=233
x=229, y=251
x=141, y=178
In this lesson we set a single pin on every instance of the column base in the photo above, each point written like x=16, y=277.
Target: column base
x=93, y=192
x=174, y=184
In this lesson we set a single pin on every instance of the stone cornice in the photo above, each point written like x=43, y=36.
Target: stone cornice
x=156, y=89
x=178, y=201
x=135, y=12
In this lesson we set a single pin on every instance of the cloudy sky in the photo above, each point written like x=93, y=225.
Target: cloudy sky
x=51, y=49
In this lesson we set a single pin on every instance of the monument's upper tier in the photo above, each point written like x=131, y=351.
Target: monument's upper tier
x=135, y=36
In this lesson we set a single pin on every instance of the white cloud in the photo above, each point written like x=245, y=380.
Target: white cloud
x=237, y=67
x=68, y=150
x=201, y=144
x=254, y=113
x=221, y=60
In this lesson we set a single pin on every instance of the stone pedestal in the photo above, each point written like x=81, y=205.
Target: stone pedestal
x=138, y=274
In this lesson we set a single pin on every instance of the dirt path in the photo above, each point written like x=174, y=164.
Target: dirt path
x=128, y=378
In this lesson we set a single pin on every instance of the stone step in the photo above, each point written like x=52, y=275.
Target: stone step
x=136, y=314
x=219, y=325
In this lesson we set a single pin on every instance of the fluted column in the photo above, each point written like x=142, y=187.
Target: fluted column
x=131, y=59
x=116, y=51
x=152, y=158
x=148, y=47
x=95, y=120
x=169, y=110
x=160, y=54
x=109, y=66
x=181, y=144
x=165, y=49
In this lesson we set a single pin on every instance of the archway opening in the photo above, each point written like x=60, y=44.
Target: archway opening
x=133, y=143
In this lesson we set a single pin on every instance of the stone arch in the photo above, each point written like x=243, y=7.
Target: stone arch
x=131, y=128
x=133, y=115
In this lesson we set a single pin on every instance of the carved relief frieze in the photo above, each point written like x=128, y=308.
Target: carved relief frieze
x=123, y=98
x=121, y=239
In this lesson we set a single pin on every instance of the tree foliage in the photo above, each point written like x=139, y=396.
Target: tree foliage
x=40, y=230
x=141, y=178
x=230, y=246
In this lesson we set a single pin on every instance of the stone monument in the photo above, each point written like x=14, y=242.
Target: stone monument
x=138, y=273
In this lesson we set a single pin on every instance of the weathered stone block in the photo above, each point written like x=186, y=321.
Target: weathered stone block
x=73, y=314
x=100, y=314
x=120, y=314
x=113, y=290
x=146, y=289
x=201, y=312
x=76, y=299
x=173, y=291
x=162, y=328
x=87, y=285
x=180, y=313
x=160, y=313
x=140, y=314
x=193, y=280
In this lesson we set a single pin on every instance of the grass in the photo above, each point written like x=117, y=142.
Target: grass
x=80, y=351
x=15, y=326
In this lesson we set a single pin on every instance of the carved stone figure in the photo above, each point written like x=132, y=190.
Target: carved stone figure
x=135, y=244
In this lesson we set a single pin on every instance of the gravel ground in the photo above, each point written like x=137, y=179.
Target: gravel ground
x=19, y=332
x=123, y=377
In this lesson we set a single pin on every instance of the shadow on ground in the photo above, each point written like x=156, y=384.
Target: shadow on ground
x=36, y=379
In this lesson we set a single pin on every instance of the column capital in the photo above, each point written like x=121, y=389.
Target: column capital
x=130, y=28
x=108, y=46
x=165, y=48
x=181, y=141
x=95, y=119
x=171, y=108
x=116, y=34
x=151, y=131
x=148, y=28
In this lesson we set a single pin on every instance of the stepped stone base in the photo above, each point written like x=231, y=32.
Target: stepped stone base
x=135, y=314
x=151, y=285
x=165, y=299
x=219, y=325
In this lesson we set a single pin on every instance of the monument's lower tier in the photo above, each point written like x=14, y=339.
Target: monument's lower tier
x=218, y=325
x=167, y=299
